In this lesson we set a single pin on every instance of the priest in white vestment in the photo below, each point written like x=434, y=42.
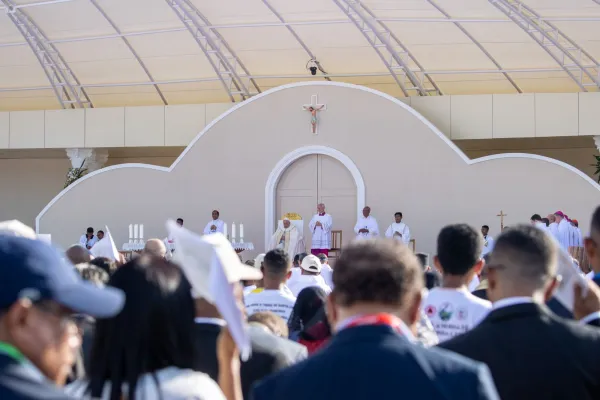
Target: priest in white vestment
x=553, y=226
x=288, y=238
x=488, y=242
x=215, y=225
x=578, y=234
x=398, y=230
x=171, y=239
x=320, y=228
x=366, y=227
x=564, y=230
x=536, y=220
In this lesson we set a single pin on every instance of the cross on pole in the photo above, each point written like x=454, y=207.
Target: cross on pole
x=501, y=215
x=313, y=108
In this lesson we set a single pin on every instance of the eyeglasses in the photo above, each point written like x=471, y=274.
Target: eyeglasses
x=58, y=312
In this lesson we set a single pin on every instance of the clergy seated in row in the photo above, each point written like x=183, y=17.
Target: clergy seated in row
x=310, y=275
x=288, y=238
x=214, y=225
x=398, y=230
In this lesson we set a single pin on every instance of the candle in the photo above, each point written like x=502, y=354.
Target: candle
x=225, y=230
x=233, y=232
x=130, y=231
x=141, y=231
x=135, y=231
x=241, y=231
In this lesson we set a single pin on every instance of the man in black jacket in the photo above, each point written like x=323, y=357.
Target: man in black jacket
x=532, y=353
x=270, y=353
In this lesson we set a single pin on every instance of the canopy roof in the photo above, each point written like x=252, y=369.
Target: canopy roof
x=103, y=53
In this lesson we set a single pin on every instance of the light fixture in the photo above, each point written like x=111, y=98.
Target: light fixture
x=312, y=66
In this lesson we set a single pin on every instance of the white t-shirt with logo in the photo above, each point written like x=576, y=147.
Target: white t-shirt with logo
x=454, y=311
x=281, y=302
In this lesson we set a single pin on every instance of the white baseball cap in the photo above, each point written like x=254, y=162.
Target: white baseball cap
x=259, y=260
x=311, y=263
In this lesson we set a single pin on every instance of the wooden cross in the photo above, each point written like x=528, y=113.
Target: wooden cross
x=313, y=108
x=501, y=215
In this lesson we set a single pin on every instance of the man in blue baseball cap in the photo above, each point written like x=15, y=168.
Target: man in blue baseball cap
x=39, y=294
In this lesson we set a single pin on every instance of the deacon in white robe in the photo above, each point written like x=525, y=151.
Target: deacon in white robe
x=320, y=228
x=488, y=242
x=398, y=230
x=288, y=238
x=564, y=230
x=366, y=227
x=215, y=225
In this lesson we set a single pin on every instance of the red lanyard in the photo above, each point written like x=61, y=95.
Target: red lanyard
x=375, y=319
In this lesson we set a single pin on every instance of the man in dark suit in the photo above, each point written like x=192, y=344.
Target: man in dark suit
x=39, y=292
x=376, y=298
x=270, y=353
x=532, y=353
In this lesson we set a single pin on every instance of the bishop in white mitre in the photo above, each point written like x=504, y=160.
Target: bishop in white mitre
x=320, y=227
x=288, y=238
x=215, y=225
x=398, y=230
x=366, y=227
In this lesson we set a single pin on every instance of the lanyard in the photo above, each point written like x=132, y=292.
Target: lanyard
x=11, y=351
x=374, y=319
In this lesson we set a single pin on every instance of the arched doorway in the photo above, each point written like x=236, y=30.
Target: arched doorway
x=313, y=179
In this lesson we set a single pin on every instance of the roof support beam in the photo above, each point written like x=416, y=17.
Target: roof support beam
x=574, y=60
x=135, y=54
x=233, y=75
x=395, y=59
x=65, y=85
x=295, y=35
x=479, y=45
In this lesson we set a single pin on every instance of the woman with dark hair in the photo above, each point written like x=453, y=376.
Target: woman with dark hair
x=308, y=322
x=148, y=348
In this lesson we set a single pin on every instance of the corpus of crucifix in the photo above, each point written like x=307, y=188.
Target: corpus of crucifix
x=387, y=157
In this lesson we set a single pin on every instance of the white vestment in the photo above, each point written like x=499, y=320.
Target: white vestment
x=541, y=225
x=218, y=223
x=288, y=239
x=369, y=223
x=403, y=233
x=488, y=245
x=564, y=234
x=579, y=237
x=553, y=228
x=321, y=235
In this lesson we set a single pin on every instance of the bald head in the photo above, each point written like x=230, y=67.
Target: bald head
x=523, y=263
x=156, y=248
x=77, y=254
x=551, y=218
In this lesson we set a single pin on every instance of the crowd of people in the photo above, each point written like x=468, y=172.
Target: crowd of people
x=381, y=322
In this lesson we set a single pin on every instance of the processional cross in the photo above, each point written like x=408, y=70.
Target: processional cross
x=313, y=108
x=501, y=215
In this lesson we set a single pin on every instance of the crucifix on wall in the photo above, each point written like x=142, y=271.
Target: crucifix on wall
x=501, y=215
x=314, y=107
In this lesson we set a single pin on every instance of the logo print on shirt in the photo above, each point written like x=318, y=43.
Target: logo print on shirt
x=462, y=314
x=446, y=311
x=430, y=310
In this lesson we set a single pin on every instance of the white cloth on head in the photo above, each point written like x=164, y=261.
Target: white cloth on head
x=399, y=231
x=218, y=223
x=488, y=245
x=281, y=302
x=454, y=311
x=321, y=235
x=85, y=242
x=290, y=240
x=369, y=223
x=304, y=281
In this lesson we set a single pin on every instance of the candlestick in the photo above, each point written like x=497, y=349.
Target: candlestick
x=241, y=232
x=135, y=231
x=233, y=232
x=141, y=231
x=225, y=230
x=130, y=231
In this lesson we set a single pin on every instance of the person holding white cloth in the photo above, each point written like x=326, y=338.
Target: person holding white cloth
x=366, y=227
